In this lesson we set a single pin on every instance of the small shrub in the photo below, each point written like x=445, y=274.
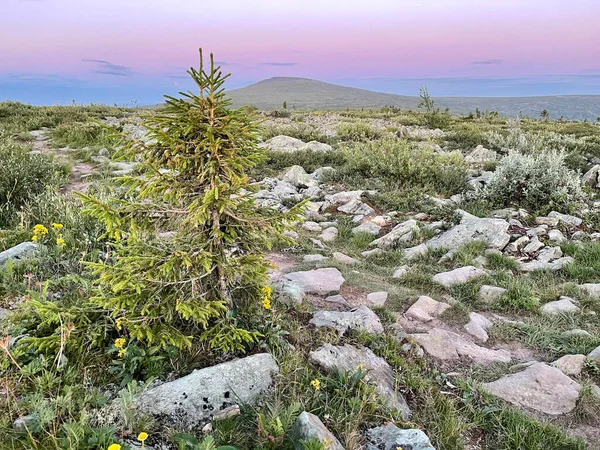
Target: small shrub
x=538, y=182
x=77, y=135
x=279, y=113
x=357, y=132
x=519, y=297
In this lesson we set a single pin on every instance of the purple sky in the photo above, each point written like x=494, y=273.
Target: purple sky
x=123, y=46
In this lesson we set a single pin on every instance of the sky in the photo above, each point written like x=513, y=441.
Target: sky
x=133, y=51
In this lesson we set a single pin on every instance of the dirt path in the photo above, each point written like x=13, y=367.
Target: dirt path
x=80, y=172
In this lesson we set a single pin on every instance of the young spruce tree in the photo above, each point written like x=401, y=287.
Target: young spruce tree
x=195, y=281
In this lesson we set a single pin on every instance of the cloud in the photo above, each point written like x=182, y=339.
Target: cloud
x=107, y=68
x=279, y=64
x=225, y=63
x=488, y=62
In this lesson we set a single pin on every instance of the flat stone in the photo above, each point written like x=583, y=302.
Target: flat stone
x=591, y=289
x=345, y=259
x=283, y=143
x=558, y=264
x=489, y=294
x=548, y=254
x=377, y=299
x=356, y=207
x=562, y=306
x=316, y=146
x=533, y=246
x=313, y=258
x=340, y=198
x=329, y=234
x=550, y=221
x=360, y=319
x=309, y=427
x=415, y=253
x=556, y=237
x=20, y=251
x=197, y=397
x=322, y=282
x=449, y=346
x=494, y=232
x=576, y=332
x=379, y=372
x=401, y=233
x=400, y=272
x=566, y=219
x=367, y=228
x=458, y=276
x=478, y=326
x=425, y=309
x=571, y=365
x=338, y=300
x=374, y=252
x=390, y=437
x=539, y=387
x=311, y=226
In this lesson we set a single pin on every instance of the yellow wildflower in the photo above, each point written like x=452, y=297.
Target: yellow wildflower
x=39, y=232
x=120, y=342
x=57, y=226
x=114, y=447
x=60, y=241
x=119, y=323
x=122, y=352
x=142, y=436
x=266, y=298
x=316, y=384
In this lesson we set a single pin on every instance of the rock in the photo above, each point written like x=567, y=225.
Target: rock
x=539, y=265
x=316, y=146
x=590, y=178
x=414, y=253
x=309, y=427
x=477, y=326
x=377, y=299
x=390, y=437
x=562, y=306
x=343, y=197
x=446, y=345
x=322, y=173
x=283, y=143
x=317, y=243
x=548, y=254
x=329, y=234
x=4, y=313
x=458, y=276
x=24, y=423
x=571, y=365
x=374, y=252
x=556, y=237
x=356, y=207
x=379, y=372
x=494, y=232
x=591, y=289
x=576, y=332
x=197, y=397
x=382, y=221
x=298, y=177
x=517, y=245
x=313, y=258
x=566, y=219
x=21, y=251
x=324, y=282
x=539, y=387
x=311, y=226
x=345, y=259
x=481, y=155
x=489, y=294
x=339, y=301
x=313, y=192
x=550, y=221
x=425, y=309
x=360, y=319
x=533, y=246
x=400, y=272
x=595, y=355
x=542, y=230
x=401, y=233
x=284, y=190
x=579, y=236
x=368, y=228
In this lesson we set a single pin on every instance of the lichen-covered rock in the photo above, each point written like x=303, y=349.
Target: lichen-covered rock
x=21, y=251
x=390, y=437
x=401, y=233
x=298, y=177
x=566, y=219
x=494, y=232
x=309, y=427
x=327, y=281
x=425, y=309
x=283, y=143
x=458, y=276
x=197, y=397
x=562, y=306
x=489, y=294
x=360, y=319
x=481, y=155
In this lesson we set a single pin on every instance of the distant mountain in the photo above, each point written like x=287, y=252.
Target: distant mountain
x=305, y=93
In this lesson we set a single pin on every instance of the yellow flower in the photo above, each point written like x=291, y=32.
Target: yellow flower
x=114, y=447
x=266, y=298
x=60, y=241
x=316, y=384
x=266, y=302
x=57, y=226
x=39, y=232
x=142, y=436
x=119, y=323
x=120, y=342
x=122, y=352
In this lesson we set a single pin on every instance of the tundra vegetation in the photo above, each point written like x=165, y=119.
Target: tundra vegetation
x=355, y=279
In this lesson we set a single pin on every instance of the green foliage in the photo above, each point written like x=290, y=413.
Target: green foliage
x=189, y=442
x=519, y=297
x=195, y=182
x=433, y=116
x=539, y=182
x=308, y=159
x=357, y=132
x=22, y=176
x=77, y=135
x=586, y=264
x=279, y=113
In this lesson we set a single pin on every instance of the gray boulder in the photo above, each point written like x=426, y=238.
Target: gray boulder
x=322, y=282
x=390, y=437
x=316, y=146
x=481, y=155
x=298, y=177
x=21, y=251
x=458, y=276
x=367, y=227
x=494, y=232
x=197, y=397
x=283, y=143
x=566, y=219
x=562, y=306
x=401, y=233
x=380, y=373
x=360, y=319
x=590, y=178
x=309, y=427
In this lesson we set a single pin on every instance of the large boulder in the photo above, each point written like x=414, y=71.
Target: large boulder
x=309, y=427
x=327, y=281
x=379, y=372
x=539, y=387
x=425, y=309
x=458, y=276
x=283, y=143
x=361, y=319
x=494, y=232
x=297, y=176
x=390, y=437
x=316, y=146
x=401, y=233
x=564, y=305
x=197, y=397
x=590, y=178
x=566, y=219
x=21, y=251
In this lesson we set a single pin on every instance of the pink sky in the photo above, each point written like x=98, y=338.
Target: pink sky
x=138, y=41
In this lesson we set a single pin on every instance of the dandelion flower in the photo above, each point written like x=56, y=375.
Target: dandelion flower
x=114, y=447
x=142, y=436
x=316, y=384
x=120, y=342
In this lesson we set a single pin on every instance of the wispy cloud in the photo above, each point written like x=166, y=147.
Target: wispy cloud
x=279, y=64
x=107, y=68
x=225, y=63
x=488, y=62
